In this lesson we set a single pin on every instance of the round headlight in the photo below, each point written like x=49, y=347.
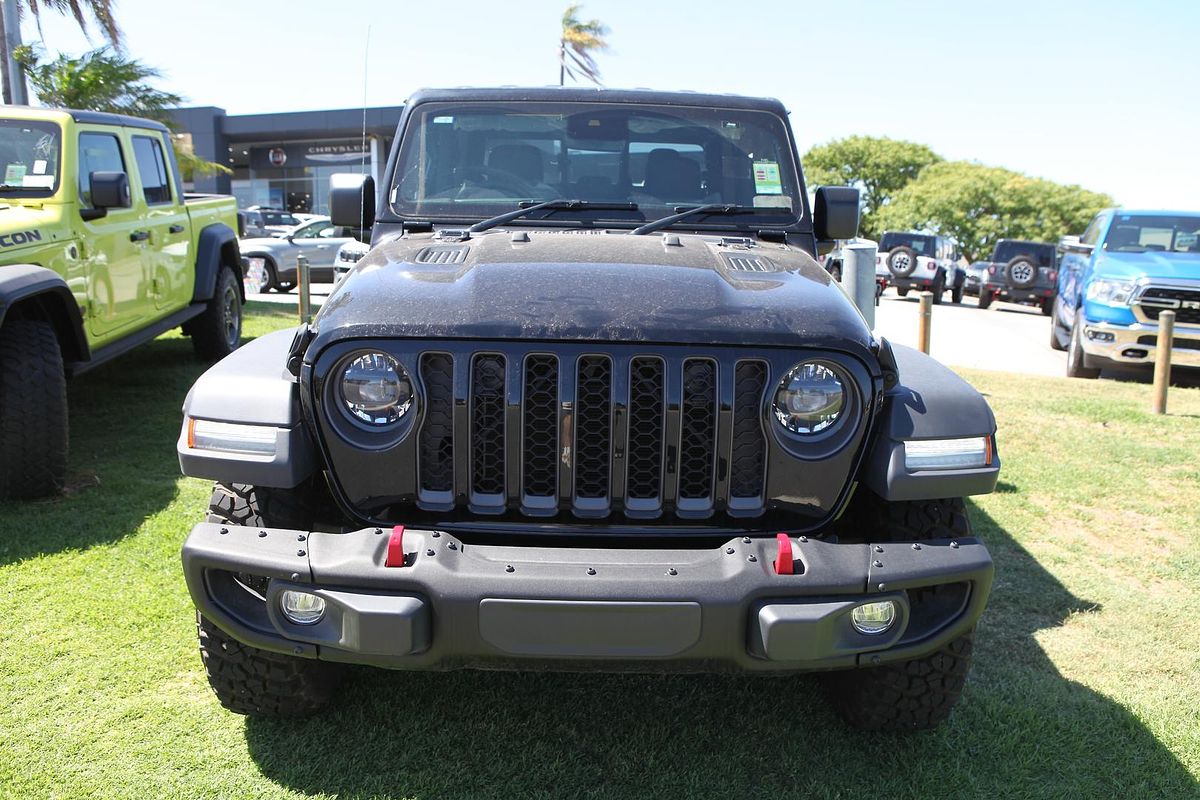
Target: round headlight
x=376, y=389
x=809, y=399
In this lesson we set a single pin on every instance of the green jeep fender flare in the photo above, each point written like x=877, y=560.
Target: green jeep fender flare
x=216, y=246
x=29, y=285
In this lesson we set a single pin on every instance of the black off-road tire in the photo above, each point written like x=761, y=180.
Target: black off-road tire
x=258, y=683
x=248, y=680
x=1047, y=306
x=898, y=266
x=956, y=294
x=985, y=299
x=939, y=288
x=919, y=693
x=1056, y=342
x=1021, y=272
x=902, y=291
x=33, y=411
x=217, y=332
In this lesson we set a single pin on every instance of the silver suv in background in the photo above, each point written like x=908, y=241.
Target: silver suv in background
x=268, y=222
x=922, y=261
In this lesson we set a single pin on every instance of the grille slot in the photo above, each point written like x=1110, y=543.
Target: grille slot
x=539, y=440
x=698, y=435
x=643, y=483
x=441, y=255
x=747, y=463
x=1156, y=299
x=593, y=429
x=487, y=425
x=436, y=441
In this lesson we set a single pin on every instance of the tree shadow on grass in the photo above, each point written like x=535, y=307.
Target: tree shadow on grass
x=124, y=419
x=1021, y=729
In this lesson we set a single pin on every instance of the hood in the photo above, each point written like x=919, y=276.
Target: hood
x=22, y=227
x=1151, y=264
x=594, y=285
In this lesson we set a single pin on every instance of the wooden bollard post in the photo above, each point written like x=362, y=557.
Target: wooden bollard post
x=303, y=289
x=1162, y=360
x=924, y=320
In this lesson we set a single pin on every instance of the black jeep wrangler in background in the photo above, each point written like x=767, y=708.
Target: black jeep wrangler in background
x=589, y=403
x=1020, y=272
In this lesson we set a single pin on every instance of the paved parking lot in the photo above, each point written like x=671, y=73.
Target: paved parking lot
x=1006, y=337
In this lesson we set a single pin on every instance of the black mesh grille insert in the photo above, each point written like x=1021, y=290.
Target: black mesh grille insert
x=748, y=457
x=1157, y=299
x=437, y=433
x=644, y=480
x=593, y=427
x=698, y=435
x=540, y=438
x=487, y=424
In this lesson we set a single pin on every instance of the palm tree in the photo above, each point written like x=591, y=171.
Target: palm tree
x=101, y=11
x=579, y=40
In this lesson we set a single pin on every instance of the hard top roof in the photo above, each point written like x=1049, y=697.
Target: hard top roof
x=583, y=94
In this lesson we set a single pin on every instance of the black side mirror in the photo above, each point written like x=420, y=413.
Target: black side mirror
x=835, y=213
x=352, y=200
x=110, y=190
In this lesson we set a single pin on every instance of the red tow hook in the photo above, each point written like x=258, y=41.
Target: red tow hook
x=395, y=548
x=783, y=561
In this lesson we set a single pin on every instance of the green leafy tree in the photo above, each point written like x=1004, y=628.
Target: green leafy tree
x=978, y=205
x=99, y=11
x=105, y=80
x=579, y=40
x=878, y=166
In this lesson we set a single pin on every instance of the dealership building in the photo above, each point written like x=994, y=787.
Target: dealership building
x=285, y=160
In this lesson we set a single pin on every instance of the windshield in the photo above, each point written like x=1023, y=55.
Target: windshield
x=29, y=152
x=1138, y=233
x=921, y=244
x=479, y=160
x=1043, y=254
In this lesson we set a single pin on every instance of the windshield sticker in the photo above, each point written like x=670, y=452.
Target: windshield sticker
x=39, y=166
x=766, y=178
x=14, y=173
x=38, y=181
x=773, y=201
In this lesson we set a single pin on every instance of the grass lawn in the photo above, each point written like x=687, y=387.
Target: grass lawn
x=1086, y=682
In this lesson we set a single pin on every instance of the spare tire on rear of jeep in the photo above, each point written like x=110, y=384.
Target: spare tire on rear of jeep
x=902, y=261
x=1021, y=272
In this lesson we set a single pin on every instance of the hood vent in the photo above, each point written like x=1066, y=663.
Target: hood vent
x=749, y=263
x=441, y=255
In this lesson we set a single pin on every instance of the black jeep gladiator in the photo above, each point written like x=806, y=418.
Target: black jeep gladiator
x=1020, y=272
x=589, y=403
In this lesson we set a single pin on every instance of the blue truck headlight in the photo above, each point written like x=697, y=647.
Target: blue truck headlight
x=1113, y=293
x=810, y=398
x=376, y=389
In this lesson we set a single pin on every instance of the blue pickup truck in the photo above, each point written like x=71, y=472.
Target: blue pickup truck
x=1114, y=281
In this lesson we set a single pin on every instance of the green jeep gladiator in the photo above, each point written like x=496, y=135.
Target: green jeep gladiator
x=99, y=251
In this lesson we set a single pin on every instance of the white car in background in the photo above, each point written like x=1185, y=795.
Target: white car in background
x=347, y=256
x=318, y=241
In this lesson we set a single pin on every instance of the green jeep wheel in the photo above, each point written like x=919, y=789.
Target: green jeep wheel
x=217, y=332
x=33, y=411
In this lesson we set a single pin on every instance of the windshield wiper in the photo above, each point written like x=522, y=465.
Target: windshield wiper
x=710, y=208
x=553, y=205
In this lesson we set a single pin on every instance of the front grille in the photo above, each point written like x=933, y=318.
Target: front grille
x=591, y=435
x=1178, y=344
x=1184, y=302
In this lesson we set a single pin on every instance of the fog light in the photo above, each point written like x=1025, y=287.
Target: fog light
x=303, y=608
x=873, y=618
x=1100, y=336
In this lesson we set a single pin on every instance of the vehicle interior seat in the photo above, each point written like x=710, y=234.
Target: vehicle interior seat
x=670, y=176
x=1122, y=237
x=522, y=160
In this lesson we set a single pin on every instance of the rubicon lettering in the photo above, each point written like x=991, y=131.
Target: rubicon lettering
x=20, y=237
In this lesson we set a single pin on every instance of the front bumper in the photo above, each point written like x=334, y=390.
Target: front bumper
x=1138, y=343
x=455, y=605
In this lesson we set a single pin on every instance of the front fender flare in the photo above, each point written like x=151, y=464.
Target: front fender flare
x=929, y=401
x=45, y=288
x=216, y=246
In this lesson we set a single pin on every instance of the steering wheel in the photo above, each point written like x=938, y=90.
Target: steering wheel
x=498, y=179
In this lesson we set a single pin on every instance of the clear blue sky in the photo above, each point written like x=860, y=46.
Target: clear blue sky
x=1103, y=94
